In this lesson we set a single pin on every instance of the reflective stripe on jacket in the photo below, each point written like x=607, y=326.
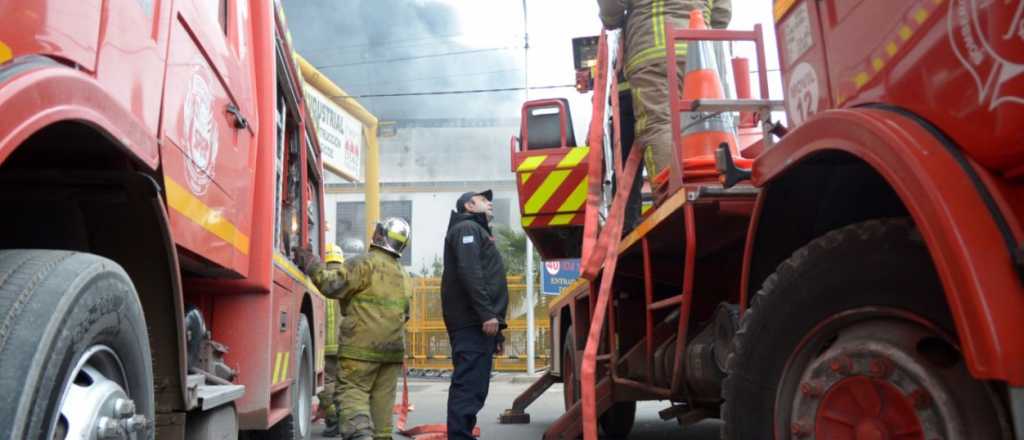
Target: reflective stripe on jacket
x=373, y=291
x=645, y=20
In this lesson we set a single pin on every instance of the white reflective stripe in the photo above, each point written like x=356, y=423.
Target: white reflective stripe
x=467, y=239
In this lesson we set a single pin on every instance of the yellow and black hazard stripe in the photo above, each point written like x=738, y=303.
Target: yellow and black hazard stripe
x=280, y=367
x=553, y=187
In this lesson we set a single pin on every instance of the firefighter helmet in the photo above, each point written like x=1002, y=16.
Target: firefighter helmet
x=392, y=235
x=334, y=254
x=352, y=246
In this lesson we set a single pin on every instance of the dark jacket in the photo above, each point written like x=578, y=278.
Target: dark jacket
x=473, y=285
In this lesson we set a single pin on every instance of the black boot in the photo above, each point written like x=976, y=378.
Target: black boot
x=332, y=430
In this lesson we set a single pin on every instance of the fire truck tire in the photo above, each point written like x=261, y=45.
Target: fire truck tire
x=852, y=336
x=570, y=376
x=297, y=425
x=74, y=348
x=617, y=421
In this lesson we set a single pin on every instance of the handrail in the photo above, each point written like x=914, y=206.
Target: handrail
x=687, y=296
x=609, y=235
x=595, y=170
x=677, y=104
x=512, y=150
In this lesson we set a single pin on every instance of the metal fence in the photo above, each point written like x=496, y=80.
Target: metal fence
x=426, y=339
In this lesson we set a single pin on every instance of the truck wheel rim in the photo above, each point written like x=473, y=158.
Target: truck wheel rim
x=305, y=394
x=94, y=402
x=868, y=409
x=568, y=379
x=872, y=373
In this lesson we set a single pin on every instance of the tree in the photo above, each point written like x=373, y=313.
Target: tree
x=512, y=246
x=437, y=266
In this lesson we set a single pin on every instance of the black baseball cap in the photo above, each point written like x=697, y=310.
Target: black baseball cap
x=460, y=205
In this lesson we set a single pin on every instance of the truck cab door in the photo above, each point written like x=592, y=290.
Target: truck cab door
x=209, y=126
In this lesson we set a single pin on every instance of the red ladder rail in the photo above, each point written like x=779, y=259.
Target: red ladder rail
x=687, y=296
x=648, y=312
x=610, y=234
x=595, y=171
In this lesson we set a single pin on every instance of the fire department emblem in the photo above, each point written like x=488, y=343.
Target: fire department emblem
x=988, y=39
x=200, y=135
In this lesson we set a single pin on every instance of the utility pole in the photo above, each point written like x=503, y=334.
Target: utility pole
x=531, y=331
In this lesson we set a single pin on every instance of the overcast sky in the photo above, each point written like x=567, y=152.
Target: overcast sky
x=373, y=47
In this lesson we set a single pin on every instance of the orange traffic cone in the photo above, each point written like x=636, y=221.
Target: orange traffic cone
x=703, y=132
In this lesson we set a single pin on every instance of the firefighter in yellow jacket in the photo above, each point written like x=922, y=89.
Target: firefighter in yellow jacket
x=333, y=260
x=373, y=293
x=644, y=22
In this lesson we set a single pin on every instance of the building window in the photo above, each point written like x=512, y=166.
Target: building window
x=349, y=231
x=351, y=220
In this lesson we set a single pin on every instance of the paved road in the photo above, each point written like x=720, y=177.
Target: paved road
x=430, y=395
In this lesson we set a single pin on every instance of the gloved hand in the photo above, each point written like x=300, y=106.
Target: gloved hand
x=305, y=259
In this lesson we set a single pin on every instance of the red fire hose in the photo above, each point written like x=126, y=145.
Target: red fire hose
x=433, y=431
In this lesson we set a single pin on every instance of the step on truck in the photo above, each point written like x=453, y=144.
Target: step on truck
x=856, y=272
x=157, y=169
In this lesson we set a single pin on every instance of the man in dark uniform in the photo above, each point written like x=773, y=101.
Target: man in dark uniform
x=474, y=299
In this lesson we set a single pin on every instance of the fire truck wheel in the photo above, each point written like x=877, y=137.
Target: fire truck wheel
x=851, y=338
x=570, y=378
x=74, y=349
x=618, y=420
x=296, y=426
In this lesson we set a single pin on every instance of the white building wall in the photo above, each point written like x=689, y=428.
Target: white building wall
x=430, y=163
x=430, y=214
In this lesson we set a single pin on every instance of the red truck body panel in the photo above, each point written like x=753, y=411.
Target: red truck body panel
x=70, y=30
x=203, y=153
x=957, y=63
x=982, y=288
x=934, y=90
x=165, y=80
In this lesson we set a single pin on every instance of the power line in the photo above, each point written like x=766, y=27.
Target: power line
x=382, y=43
x=418, y=57
x=377, y=83
x=341, y=50
x=454, y=92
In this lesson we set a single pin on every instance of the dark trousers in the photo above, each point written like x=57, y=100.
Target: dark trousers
x=472, y=355
x=627, y=126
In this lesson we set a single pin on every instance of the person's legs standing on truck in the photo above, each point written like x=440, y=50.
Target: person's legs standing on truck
x=645, y=69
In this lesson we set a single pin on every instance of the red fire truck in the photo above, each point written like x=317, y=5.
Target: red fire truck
x=157, y=169
x=862, y=278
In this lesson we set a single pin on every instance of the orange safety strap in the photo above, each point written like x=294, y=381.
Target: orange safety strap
x=432, y=431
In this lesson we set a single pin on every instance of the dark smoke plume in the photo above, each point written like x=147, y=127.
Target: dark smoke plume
x=348, y=39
